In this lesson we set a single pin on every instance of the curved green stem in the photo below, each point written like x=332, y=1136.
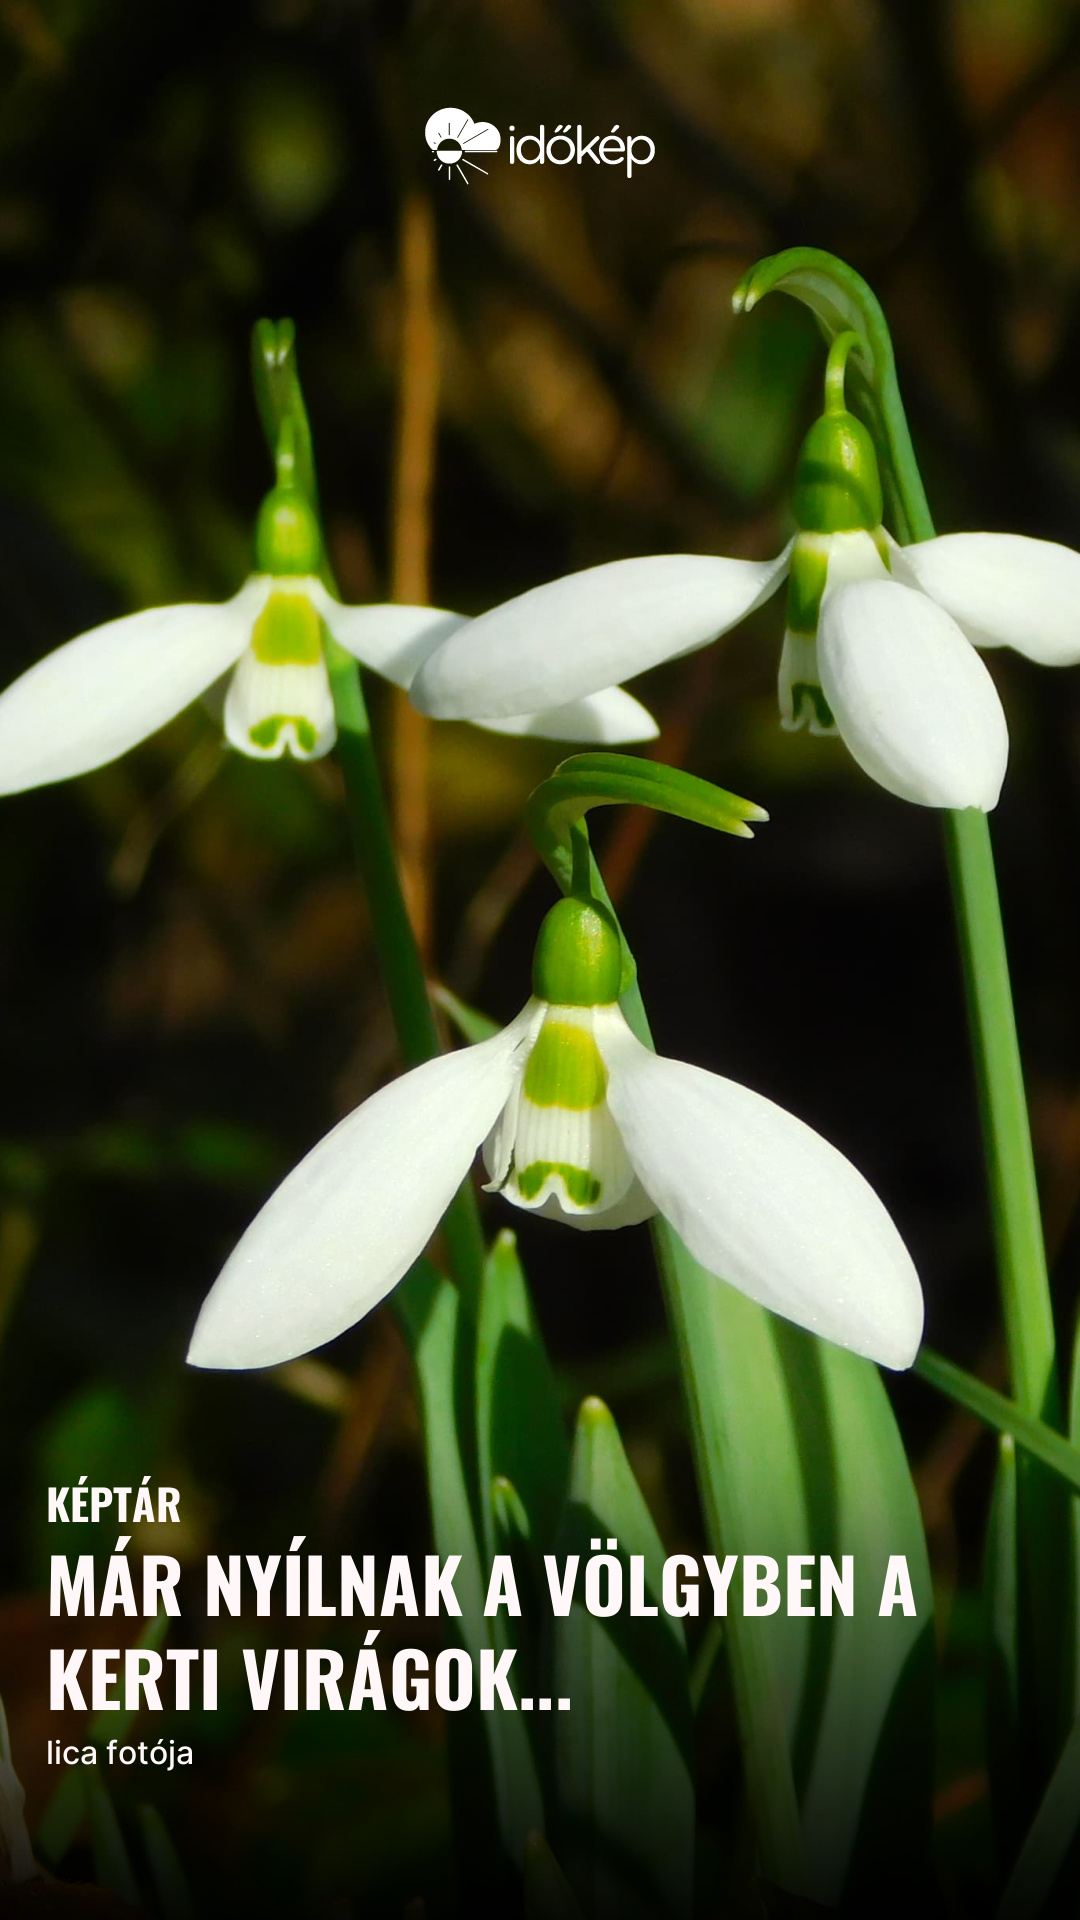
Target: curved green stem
x=284, y=417
x=843, y=302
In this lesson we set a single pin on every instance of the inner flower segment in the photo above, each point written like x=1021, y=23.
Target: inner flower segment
x=556, y=1149
x=820, y=562
x=279, y=698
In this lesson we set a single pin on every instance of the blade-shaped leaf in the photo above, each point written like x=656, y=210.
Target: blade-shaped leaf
x=559, y=804
x=1049, y=1842
x=1001, y=1603
x=492, y=1766
x=626, y=1796
x=548, y=1894
x=472, y=1025
x=751, y=1485
x=171, y=1890
x=58, y=1824
x=519, y=1425
x=112, y=1867
x=866, y=1808
x=1052, y=1449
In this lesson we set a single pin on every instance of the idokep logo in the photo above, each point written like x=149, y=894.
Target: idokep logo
x=453, y=136
x=568, y=144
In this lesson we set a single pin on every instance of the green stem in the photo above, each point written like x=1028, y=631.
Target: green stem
x=402, y=968
x=1014, y=1198
x=288, y=432
x=843, y=302
x=999, y=1075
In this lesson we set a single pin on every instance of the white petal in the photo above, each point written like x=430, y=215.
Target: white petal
x=391, y=640
x=913, y=701
x=1003, y=590
x=348, y=1222
x=272, y=709
x=802, y=703
x=587, y=631
x=606, y=718
x=101, y=693
x=766, y=1204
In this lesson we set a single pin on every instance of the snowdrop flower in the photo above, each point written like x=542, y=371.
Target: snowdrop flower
x=880, y=642
x=93, y=699
x=578, y=1121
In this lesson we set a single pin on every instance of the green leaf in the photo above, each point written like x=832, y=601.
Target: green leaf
x=548, y=1894
x=171, y=1890
x=472, y=1025
x=588, y=780
x=997, y=1411
x=1049, y=1841
x=1001, y=1602
x=866, y=1807
x=519, y=1426
x=60, y=1821
x=112, y=1867
x=1041, y=1533
x=749, y=1475
x=626, y=1795
x=493, y=1776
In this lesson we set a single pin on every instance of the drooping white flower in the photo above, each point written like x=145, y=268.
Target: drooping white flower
x=100, y=694
x=880, y=642
x=579, y=1121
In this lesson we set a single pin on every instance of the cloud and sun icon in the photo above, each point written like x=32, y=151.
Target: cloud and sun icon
x=453, y=137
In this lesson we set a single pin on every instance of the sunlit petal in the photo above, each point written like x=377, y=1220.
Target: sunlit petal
x=589, y=630
x=101, y=693
x=1004, y=590
x=391, y=640
x=606, y=719
x=915, y=704
x=348, y=1222
x=765, y=1203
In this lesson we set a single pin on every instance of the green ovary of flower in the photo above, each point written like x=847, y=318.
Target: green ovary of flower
x=837, y=483
x=287, y=538
x=578, y=959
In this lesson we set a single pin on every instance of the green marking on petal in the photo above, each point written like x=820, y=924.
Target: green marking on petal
x=288, y=632
x=806, y=587
x=808, y=701
x=565, y=1068
x=265, y=734
x=583, y=1188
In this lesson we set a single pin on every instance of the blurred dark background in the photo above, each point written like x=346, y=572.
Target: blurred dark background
x=188, y=993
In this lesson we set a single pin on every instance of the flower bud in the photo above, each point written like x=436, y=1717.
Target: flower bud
x=578, y=957
x=287, y=539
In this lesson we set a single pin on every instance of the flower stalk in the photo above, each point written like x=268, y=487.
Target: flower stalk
x=283, y=413
x=843, y=304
